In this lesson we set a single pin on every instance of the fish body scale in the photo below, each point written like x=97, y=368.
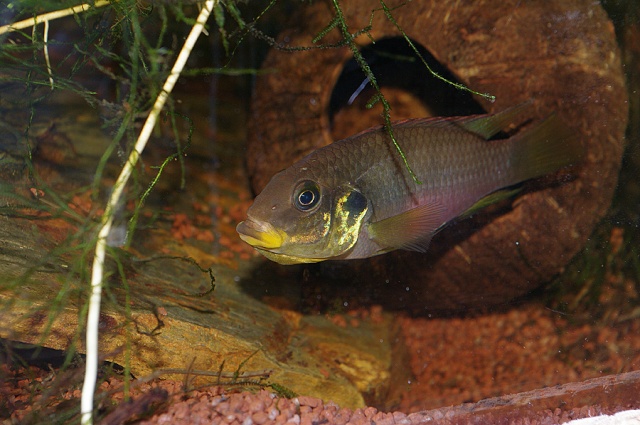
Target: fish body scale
x=454, y=167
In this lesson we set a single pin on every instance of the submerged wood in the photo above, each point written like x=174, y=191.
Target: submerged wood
x=612, y=393
x=177, y=327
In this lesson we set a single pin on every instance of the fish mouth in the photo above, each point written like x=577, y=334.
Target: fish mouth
x=260, y=234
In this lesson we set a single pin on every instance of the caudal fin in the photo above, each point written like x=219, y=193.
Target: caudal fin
x=545, y=148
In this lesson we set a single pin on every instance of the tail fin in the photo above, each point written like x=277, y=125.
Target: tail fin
x=545, y=149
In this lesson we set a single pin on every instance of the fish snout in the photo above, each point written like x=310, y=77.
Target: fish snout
x=260, y=234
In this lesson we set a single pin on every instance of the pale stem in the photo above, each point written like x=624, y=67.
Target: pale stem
x=46, y=52
x=46, y=17
x=93, y=315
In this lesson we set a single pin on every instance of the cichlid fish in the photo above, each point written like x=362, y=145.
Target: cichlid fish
x=356, y=199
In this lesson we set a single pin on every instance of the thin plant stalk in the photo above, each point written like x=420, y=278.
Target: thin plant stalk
x=46, y=17
x=46, y=52
x=93, y=314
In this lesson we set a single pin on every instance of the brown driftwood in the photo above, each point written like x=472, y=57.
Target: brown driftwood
x=546, y=405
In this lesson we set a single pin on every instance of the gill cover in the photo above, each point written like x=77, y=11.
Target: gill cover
x=333, y=235
x=349, y=210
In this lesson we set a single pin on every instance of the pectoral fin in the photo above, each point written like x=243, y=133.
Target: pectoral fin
x=412, y=230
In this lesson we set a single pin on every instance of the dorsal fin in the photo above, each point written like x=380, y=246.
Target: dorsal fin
x=487, y=126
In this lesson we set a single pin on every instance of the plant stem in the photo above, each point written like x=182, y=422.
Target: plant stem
x=46, y=17
x=93, y=314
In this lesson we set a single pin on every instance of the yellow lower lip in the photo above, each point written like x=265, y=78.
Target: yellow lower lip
x=260, y=234
x=287, y=259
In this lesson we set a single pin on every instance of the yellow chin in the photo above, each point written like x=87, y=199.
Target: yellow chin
x=260, y=234
x=286, y=259
x=266, y=239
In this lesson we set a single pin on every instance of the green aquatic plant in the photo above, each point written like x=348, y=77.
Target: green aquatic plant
x=138, y=84
x=237, y=379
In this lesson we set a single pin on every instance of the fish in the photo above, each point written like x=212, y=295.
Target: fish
x=356, y=198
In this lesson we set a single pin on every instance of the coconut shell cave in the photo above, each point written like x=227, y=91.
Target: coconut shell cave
x=561, y=55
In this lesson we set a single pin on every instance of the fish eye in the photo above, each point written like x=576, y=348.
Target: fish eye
x=306, y=195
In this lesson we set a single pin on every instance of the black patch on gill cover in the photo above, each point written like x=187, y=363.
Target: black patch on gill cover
x=356, y=203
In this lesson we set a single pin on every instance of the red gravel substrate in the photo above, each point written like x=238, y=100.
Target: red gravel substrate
x=25, y=400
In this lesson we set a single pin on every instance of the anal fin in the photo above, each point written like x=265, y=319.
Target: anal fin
x=490, y=199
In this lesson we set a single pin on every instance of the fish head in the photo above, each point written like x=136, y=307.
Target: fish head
x=302, y=218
